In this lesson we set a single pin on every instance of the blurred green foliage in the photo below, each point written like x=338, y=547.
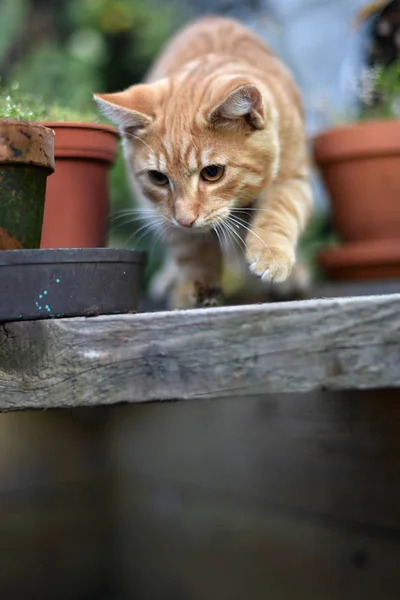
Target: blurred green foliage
x=29, y=107
x=76, y=47
x=384, y=98
x=54, y=55
x=12, y=13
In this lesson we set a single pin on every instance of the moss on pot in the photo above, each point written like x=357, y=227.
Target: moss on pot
x=22, y=192
x=26, y=159
x=25, y=107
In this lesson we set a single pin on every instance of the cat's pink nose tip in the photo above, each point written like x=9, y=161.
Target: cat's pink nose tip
x=186, y=221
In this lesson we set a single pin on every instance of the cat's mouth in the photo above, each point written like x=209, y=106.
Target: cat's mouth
x=199, y=224
x=233, y=220
x=195, y=228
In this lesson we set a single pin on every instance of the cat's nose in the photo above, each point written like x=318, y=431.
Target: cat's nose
x=186, y=221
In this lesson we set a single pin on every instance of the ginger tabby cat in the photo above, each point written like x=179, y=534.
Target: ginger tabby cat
x=215, y=147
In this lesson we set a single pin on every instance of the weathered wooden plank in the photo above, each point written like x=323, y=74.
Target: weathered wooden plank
x=204, y=547
x=273, y=497
x=343, y=343
x=56, y=523
x=334, y=455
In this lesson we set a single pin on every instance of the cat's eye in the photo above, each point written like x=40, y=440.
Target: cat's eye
x=158, y=178
x=212, y=173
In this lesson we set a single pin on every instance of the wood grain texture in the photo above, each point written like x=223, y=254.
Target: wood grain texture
x=287, y=496
x=348, y=343
x=328, y=454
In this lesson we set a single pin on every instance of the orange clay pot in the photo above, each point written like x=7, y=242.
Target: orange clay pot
x=376, y=259
x=360, y=165
x=77, y=197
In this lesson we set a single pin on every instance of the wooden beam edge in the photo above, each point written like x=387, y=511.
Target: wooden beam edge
x=335, y=343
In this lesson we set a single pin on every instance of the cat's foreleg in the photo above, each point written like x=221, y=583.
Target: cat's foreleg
x=191, y=275
x=285, y=208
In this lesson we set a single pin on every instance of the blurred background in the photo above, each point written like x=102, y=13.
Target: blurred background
x=54, y=54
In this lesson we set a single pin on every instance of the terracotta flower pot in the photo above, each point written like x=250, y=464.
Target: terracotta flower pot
x=26, y=160
x=373, y=260
x=360, y=165
x=77, y=197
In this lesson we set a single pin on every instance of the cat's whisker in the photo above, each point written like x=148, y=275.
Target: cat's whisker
x=136, y=215
x=137, y=243
x=159, y=237
x=133, y=217
x=233, y=236
x=230, y=218
x=239, y=223
x=126, y=222
x=242, y=208
x=166, y=228
x=131, y=240
x=130, y=218
x=243, y=223
x=124, y=216
x=225, y=236
x=133, y=209
x=220, y=224
x=156, y=240
x=136, y=137
x=150, y=222
x=216, y=228
x=146, y=229
x=252, y=209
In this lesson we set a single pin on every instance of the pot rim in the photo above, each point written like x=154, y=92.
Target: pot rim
x=88, y=141
x=31, y=257
x=28, y=143
x=372, y=138
x=357, y=125
x=11, y=122
x=361, y=254
x=80, y=125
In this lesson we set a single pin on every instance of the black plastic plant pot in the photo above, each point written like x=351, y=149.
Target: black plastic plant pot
x=26, y=160
x=40, y=284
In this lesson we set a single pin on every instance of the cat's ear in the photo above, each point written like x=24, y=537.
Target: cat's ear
x=131, y=110
x=243, y=102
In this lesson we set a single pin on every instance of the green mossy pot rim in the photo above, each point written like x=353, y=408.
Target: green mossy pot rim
x=26, y=143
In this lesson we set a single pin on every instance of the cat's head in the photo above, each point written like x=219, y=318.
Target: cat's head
x=197, y=151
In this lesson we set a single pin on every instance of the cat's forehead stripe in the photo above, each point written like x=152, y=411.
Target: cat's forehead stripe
x=162, y=162
x=193, y=185
x=152, y=162
x=169, y=150
x=205, y=157
x=186, y=149
x=192, y=159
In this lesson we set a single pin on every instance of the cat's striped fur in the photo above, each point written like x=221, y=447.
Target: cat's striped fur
x=217, y=96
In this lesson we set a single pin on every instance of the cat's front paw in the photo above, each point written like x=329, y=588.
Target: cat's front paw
x=270, y=262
